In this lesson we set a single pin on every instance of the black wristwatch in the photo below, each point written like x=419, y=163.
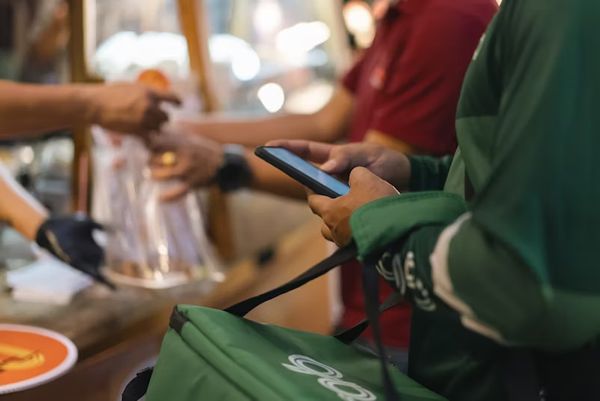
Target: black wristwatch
x=235, y=172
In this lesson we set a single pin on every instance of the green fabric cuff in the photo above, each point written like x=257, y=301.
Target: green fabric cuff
x=382, y=222
x=428, y=173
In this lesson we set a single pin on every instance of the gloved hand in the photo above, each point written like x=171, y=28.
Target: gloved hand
x=70, y=239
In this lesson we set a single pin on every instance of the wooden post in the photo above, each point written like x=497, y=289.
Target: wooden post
x=78, y=51
x=192, y=17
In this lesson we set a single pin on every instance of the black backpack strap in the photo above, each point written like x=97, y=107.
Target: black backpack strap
x=137, y=387
x=371, y=293
x=351, y=334
x=340, y=256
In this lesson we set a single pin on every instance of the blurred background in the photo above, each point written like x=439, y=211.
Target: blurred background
x=240, y=57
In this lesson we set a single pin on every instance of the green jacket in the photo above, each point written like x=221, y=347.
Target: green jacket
x=497, y=247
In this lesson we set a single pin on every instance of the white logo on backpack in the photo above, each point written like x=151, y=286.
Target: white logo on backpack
x=329, y=378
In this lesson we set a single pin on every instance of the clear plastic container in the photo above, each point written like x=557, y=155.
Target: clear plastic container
x=150, y=243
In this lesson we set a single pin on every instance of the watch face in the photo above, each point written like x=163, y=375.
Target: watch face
x=234, y=173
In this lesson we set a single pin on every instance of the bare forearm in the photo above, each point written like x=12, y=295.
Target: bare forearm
x=30, y=109
x=326, y=125
x=18, y=208
x=252, y=132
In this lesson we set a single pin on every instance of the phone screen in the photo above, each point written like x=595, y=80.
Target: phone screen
x=308, y=169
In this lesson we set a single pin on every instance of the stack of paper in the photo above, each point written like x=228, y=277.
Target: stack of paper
x=47, y=280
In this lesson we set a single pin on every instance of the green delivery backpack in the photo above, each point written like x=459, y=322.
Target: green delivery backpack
x=214, y=355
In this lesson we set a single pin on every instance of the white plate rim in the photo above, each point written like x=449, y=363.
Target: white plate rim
x=53, y=374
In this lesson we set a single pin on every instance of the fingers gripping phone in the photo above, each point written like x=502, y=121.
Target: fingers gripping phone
x=302, y=171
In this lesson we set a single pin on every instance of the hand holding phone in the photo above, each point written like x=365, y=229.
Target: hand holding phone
x=302, y=171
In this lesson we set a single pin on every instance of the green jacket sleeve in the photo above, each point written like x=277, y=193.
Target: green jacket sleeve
x=428, y=173
x=380, y=223
x=521, y=266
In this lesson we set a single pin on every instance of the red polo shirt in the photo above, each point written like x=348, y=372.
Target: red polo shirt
x=407, y=86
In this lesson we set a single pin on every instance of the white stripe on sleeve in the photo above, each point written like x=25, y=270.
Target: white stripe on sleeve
x=442, y=283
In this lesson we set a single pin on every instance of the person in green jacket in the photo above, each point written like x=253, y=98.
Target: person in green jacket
x=497, y=245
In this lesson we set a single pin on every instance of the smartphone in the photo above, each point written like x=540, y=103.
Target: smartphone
x=302, y=171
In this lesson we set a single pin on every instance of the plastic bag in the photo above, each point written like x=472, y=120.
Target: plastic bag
x=151, y=243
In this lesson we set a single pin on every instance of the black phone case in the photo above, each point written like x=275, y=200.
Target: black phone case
x=302, y=178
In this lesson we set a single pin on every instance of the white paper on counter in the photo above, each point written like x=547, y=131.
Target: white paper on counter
x=48, y=280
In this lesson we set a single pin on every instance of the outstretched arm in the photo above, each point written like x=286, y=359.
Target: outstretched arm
x=27, y=109
x=328, y=124
x=18, y=208
x=69, y=238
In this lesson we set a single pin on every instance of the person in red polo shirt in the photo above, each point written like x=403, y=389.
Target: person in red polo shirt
x=403, y=92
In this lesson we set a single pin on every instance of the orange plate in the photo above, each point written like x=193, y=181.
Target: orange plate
x=30, y=356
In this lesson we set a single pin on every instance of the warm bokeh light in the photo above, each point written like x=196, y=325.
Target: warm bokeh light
x=296, y=41
x=360, y=22
x=126, y=51
x=268, y=17
x=272, y=97
x=229, y=49
x=310, y=98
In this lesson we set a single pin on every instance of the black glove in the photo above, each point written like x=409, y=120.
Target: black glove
x=70, y=239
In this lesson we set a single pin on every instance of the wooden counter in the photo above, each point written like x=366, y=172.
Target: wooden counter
x=120, y=332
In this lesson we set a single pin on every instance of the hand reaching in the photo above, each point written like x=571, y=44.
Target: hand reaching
x=365, y=187
x=129, y=108
x=391, y=166
x=70, y=239
x=191, y=160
